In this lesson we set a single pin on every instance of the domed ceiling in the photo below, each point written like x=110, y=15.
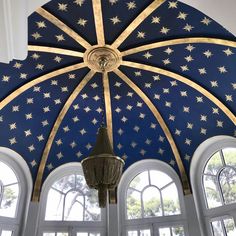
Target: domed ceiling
x=171, y=85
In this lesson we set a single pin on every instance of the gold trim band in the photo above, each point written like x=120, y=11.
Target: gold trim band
x=54, y=20
x=163, y=125
x=60, y=51
x=107, y=98
x=38, y=80
x=172, y=42
x=136, y=22
x=73, y=96
x=97, y=12
x=186, y=81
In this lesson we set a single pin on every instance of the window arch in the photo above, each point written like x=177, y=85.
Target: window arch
x=68, y=206
x=213, y=177
x=151, y=201
x=15, y=192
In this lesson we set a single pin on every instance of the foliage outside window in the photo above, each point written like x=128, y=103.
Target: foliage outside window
x=172, y=231
x=223, y=227
x=219, y=178
x=151, y=194
x=70, y=199
x=9, y=193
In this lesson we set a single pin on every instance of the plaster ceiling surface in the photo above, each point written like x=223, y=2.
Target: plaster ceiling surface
x=175, y=86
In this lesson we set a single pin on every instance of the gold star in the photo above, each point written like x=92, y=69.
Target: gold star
x=82, y=22
x=62, y=7
x=173, y=4
x=5, y=78
x=30, y=101
x=41, y=24
x=83, y=131
x=208, y=53
x=233, y=85
x=12, y=141
x=113, y=1
x=45, y=123
x=215, y=110
x=15, y=108
x=23, y=75
x=60, y=37
x=222, y=69
x=59, y=142
x=214, y=84
x=57, y=59
x=183, y=93
x=182, y=16
x=219, y=123
x=40, y=138
x=203, y=131
x=169, y=51
x=189, y=126
x=199, y=99
x=28, y=116
x=131, y=5
x=115, y=20
x=79, y=2
x=35, y=56
x=31, y=148
x=27, y=133
x=202, y=71
x=141, y=35
x=166, y=61
x=164, y=30
x=189, y=58
x=33, y=163
x=228, y=52
x=36, y=35
x=94, y=121
x=228, y=98
x=12, y=126
x=17, y=65
x=156, y=20
x=203, y=118
x=153, y=126
x=39, y=66
x=190, y=48
x=206, y=21
x=188, y=27
x=184, y=68
x=147, y=55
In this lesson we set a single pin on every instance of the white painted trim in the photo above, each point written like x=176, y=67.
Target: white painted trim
x=199, y=160
x=19, y=166
x=127, y=177
x=58, y=173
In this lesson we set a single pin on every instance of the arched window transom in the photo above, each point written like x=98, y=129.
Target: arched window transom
x=219, y=178
x=152, y=193
x=70, y=199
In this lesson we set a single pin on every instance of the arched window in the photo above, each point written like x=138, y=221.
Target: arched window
x=151, y=201
x=68, y=206
x=15, y=191
x=214, y=185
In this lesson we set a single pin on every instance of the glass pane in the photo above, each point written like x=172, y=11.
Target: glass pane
x=211, y=191
x=170, y=200
x=7, y=175
x=133, y=204
x=92, y=210
x=228, y=185
x=6, y=233
x=9, y=201
x=178, y=231
x=214, y=164
x=62, y=234
x=65, y=184
x=152, y=202
x=81, y=184
x=159, y=178
x=140, y=181
x=132, y=233
x=230, y=227
x=164, y=232
x=74, y=207
x=49, y=234
x=54, y=206
x=82, y=234
x=230, y=156
x=217, y=228
x=145, y=232
x=94, y=234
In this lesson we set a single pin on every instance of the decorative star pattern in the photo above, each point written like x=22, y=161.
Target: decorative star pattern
x=26, y=122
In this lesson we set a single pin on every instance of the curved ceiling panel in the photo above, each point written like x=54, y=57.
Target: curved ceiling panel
x=171, y=87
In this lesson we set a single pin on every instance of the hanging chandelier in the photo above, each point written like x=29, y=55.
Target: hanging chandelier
x=102, y=168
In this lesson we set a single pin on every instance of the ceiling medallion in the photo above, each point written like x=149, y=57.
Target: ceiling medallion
x=102, y=59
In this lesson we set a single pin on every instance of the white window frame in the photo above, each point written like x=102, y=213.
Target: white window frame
x=200, y=158
x=152, y=223
x=21, y=169
x=65, y=226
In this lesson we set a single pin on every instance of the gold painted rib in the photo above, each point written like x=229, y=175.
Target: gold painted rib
x=67, y=105
x=137, y=21
x=97, y=11
x=172, y=42
x=63, y=27
x=186, y=81
x=163, y=125
x=38, y=80
x=60, y=51
x=107, y=98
